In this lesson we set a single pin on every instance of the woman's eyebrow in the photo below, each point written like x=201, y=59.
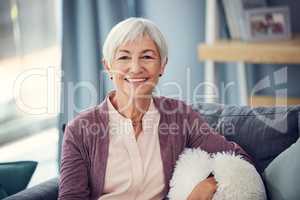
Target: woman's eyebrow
x=123, y=51
x=148, y=50
x=144, y=51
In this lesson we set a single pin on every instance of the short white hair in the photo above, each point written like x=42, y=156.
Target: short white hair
x=129, y=30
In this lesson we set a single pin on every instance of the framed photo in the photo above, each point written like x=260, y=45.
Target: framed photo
x=268, y=23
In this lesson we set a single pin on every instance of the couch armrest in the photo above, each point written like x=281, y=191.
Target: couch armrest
x=45, y=191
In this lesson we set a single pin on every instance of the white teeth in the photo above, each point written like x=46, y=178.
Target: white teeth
x=136, y=79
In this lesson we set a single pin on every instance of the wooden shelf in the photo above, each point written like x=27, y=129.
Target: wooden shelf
x=273, y=52
x=272, y=101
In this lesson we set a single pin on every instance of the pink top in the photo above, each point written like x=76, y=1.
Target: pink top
x=134, y=167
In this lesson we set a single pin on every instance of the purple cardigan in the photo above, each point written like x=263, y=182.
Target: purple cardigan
x=85, y=145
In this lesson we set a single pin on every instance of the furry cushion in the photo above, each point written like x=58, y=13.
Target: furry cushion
x=237, y=179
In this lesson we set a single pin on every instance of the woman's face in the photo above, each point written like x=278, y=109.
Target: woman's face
x=136, y=67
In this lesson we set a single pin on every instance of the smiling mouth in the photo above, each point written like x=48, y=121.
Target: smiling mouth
x=135, y=80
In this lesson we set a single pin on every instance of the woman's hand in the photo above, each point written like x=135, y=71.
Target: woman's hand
x=204, y=190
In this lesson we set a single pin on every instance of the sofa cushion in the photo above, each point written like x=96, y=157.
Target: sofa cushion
x=3, y=193
x=210, y=112
x=281, y=176
x=44, y=191
x=15, y=176
x=264, y=132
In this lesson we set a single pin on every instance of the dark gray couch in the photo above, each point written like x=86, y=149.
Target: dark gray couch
x=44, y=191
x=263, y=132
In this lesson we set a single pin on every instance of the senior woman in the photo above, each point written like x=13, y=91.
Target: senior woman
x=127, y=147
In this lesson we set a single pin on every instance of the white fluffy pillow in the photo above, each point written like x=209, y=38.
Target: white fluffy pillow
x=237, y=179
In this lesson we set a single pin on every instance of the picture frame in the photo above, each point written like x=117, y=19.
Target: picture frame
x=268, y=23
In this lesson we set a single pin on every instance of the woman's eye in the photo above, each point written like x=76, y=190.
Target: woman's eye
x=124, y=58
x=147, y=57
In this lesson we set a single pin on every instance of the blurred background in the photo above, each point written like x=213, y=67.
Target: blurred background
x=30, y=45
x=50, y=66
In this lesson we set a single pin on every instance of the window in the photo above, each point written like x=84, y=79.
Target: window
x=30, y=54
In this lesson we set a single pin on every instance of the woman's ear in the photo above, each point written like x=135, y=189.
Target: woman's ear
x=166, y=60
x=163, y=65
x=105, y=64
x=106, y=67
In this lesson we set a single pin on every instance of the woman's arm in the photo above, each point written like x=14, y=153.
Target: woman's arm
x=201, y=135
x=73, y=182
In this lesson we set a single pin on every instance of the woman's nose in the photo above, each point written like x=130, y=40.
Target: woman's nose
x=135, y=65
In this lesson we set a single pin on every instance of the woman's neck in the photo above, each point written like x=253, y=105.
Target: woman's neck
x=131, y=107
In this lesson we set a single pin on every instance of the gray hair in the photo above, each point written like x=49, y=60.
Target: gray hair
x=129, y=30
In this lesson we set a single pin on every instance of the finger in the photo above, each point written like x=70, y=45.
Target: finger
x=212, y=180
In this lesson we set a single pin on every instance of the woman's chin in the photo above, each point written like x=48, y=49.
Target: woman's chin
x=138, y=92
x=139, y=88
